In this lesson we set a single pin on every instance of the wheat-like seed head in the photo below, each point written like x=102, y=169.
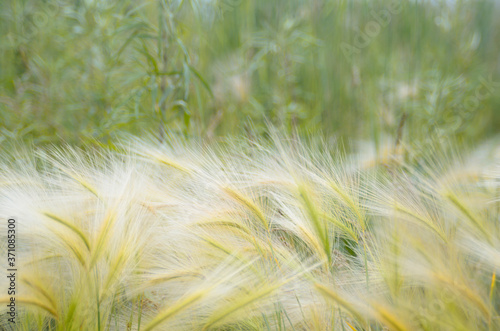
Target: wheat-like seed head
x=251, y=235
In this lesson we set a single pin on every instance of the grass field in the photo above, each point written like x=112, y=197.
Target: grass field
x=253, y=236
x=250, y=165
x=88, y=71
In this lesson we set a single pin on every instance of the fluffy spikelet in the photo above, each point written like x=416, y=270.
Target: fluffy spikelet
x=260, y=235
x=180, y=305
x=32, y=302
x=70, y=226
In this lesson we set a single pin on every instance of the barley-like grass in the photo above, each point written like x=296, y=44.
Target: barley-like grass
x=228, y=247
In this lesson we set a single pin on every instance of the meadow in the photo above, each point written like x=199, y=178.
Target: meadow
x=87, y=71
x=253, y=236
x=250, y=165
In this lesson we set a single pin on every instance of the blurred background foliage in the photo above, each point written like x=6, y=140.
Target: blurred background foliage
x=82, y=71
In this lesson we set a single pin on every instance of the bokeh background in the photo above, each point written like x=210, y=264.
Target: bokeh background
x=90, y=71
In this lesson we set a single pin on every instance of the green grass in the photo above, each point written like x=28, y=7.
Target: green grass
x=251, y=165
x=89, y=71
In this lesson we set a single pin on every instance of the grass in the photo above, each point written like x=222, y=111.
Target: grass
x=89, y=71
x=218, y=250
x=251, y=165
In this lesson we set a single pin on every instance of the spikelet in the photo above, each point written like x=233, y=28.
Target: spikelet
x=252, y=235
